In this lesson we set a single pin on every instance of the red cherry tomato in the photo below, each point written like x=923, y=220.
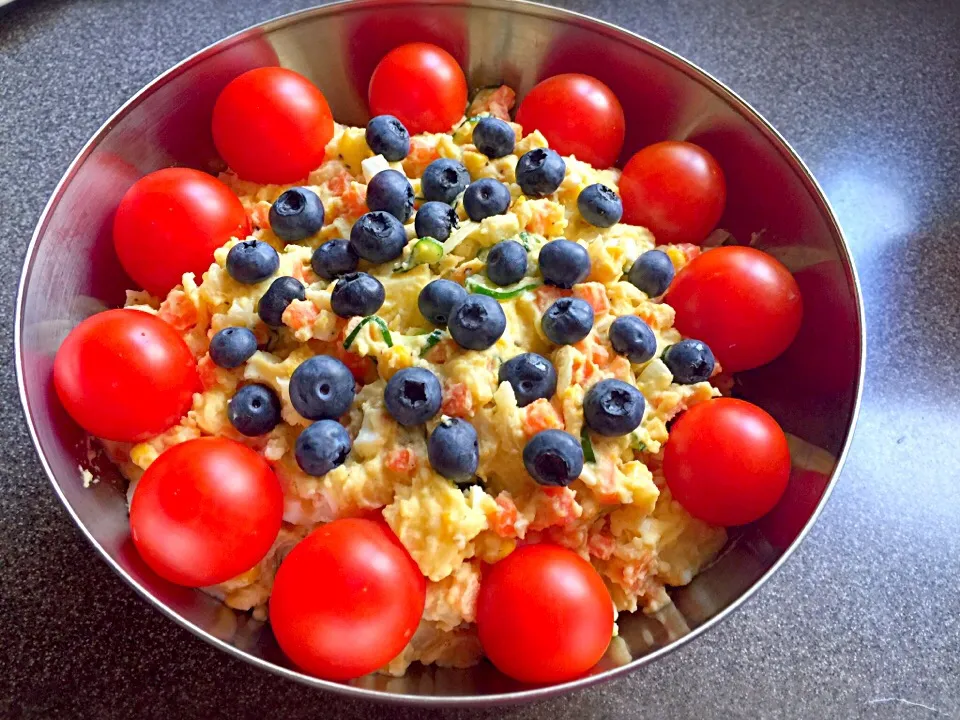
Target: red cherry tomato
x=420, y=84
x=125, y=375
x=578, y=115
x=544, y=614
x=205, y=511
x=726, y=461
x=741, y=302
x=272, y=125
x=347, y=599
x=674, y=189
x=170, y=222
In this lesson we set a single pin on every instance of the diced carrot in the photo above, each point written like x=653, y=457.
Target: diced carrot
x=538, y=222
x=606, y=487
x=504, y=520
x=442, y=351
x=339, y=183
x=497, y=102
x=207, y=371
x=600, y=545
x=689, y=250
x=402, y=461
x=595, y=295
x=540, y=415
x=355, y=200
x=546, y=295
x=421, y=154
x=620, y=368
x=457, y=400
x=363, y=368
x=260, y=214
x=178, y=311
x=558, y=507
x=299, y=314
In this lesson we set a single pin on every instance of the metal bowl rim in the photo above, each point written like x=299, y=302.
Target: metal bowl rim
x=526, y=7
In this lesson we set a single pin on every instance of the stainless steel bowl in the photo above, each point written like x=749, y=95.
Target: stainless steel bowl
x=814, y=389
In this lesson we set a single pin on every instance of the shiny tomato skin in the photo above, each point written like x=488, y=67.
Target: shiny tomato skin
x=347, y=599
x=544, y=614
x=726, y=462
x=741, y=302
x=676, y=190
x=420, y=84
x=272, y=125
x=206, y=511
x=578, y=115
x=170, y=222
x=125, y=375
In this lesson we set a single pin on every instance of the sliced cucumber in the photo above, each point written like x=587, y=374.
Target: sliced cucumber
x=379, y=322
x=476, y=284
x=426, y=251
x=587, y=445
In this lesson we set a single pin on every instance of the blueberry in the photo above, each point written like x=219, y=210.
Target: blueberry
x=252, y=261
x=435, y=219
x=438, y=299
x=652, y=272
x=553, y=457
x=485, y=198
x=531, y=376
x=274, y=301
x=334, y=258
x=321, y=388
x=599, y=205
x=494, y=137
x=540, y=172
x=390, y=191
x=232, y=347
x=567, y=321
x=357, y=293
x=296, y=214
x=613, y=408
x=378, y=237
x=413, y=396
x=322, y=447
x=387, y=136
x=453, y=449
x=477, y=322
x=254, y=410
x=564, y=263
x=632, y=337
x=443, y=180
x=690, y=361
x=506, y=263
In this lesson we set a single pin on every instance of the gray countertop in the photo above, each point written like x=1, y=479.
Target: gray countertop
x=862, y=622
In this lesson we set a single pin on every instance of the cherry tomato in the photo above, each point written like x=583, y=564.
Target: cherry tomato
x=674, y=189
x=544, y=614
x=170, y=222
x=741, y=302
x=578, y=115
x=272, y=125
x=420, y=84
x=125, y=375
x=726, y=461
x=347, y=599
x=205, y=511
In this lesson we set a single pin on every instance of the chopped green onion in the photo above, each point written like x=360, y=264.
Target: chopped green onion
x=384, y=331
x=426, y=251
x=471, y=119
x=476, y=284
x=432, y=340
x=524, y=238
x=587, y=446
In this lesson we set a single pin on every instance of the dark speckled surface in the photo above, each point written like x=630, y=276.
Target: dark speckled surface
x=862, y=622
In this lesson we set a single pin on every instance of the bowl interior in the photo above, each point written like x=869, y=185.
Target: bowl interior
x=813, y=389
